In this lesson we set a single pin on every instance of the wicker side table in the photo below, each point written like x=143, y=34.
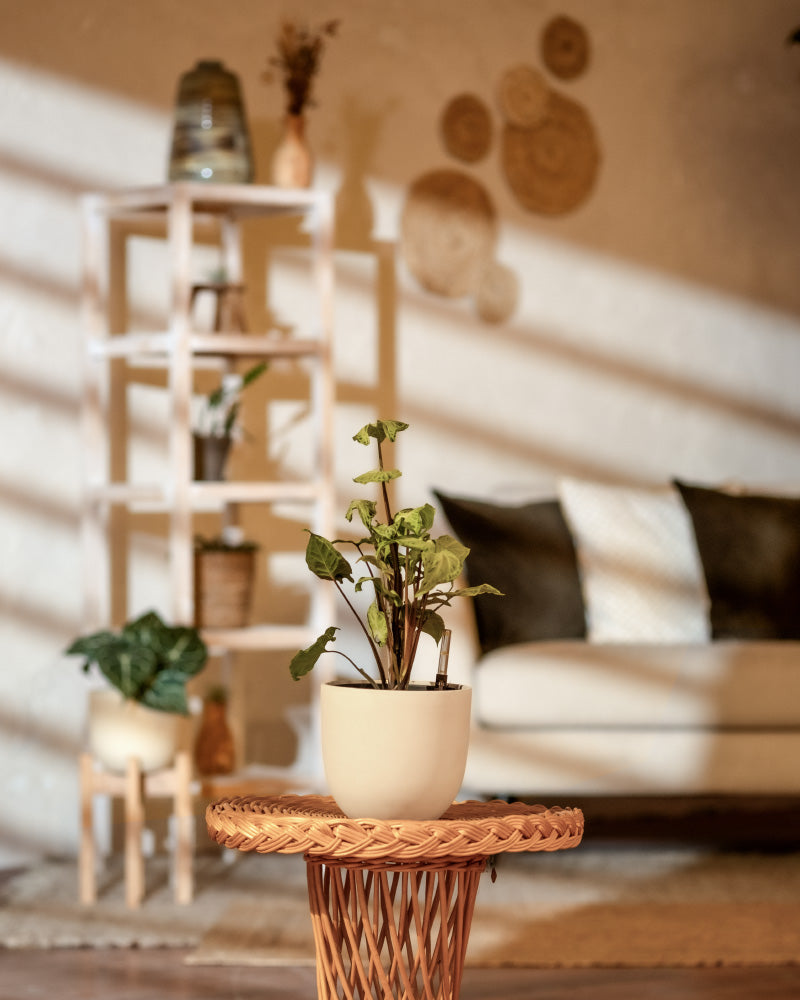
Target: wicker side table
x=391, y=901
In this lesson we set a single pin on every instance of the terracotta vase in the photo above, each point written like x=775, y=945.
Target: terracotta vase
x=214, y=751
x=293, y=162
x=394, y=754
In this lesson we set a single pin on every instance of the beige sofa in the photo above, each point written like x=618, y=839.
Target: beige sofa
x=572, y=717
x=717, y=714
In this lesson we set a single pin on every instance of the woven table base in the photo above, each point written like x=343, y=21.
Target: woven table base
x=393, y=932
x=391, y=900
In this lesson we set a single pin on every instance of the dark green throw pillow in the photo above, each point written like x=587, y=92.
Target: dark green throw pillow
x=750, y=549
x=527, y=552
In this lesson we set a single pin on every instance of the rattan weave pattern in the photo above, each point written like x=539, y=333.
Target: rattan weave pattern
x=313, y=825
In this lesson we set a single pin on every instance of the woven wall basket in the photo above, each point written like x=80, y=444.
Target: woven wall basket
x=552, y=167
x=467, y=128
x=523, y=96
x=565, y=47
x=448, y=232
x=223, y=582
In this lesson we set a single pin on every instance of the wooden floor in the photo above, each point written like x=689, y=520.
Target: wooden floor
x=160, y=974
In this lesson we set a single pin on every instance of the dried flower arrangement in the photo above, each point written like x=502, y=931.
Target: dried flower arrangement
x=299, y=51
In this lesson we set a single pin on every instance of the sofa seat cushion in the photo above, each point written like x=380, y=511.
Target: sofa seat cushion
x=574, y=683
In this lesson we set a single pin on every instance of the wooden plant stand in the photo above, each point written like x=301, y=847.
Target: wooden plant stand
x=391, y=901
x=134, y=787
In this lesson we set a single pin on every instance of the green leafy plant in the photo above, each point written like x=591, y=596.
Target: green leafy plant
x=228, y=541
x=411, y=575
x=220, y=412
x=147, y=660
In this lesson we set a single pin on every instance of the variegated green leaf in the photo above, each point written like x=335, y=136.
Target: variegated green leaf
x=376, y=619
x=380, y=431
x=377, y=476
x=306, y=659
x=325, y=561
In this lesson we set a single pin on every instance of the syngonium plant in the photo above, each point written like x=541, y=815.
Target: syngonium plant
x=410, y=574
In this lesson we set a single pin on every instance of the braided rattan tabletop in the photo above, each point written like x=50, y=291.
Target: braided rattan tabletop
x=314, y=825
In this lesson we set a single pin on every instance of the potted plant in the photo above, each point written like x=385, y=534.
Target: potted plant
x=224, y=567
x=147, y=664
x=392, y=748
x=218, y=422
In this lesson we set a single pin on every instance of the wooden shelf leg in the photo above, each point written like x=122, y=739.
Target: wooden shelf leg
x=184, y=829
x=87, y=876
x=134, y=824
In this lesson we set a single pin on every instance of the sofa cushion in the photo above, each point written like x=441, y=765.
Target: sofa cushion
x=713, y=684
x=640, y=570
x=750, y=550
x=526, y=551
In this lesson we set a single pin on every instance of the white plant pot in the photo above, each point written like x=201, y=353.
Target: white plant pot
x=394, y=754
x=120, y=728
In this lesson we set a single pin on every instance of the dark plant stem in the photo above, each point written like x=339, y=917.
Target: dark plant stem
x=396, y=636
x=370, y=680
x=365, y=630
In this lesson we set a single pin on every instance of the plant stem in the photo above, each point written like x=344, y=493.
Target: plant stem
x=396, y=637
x=364, y=674
x=365, y=630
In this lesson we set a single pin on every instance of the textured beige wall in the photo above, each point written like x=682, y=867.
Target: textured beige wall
x=658, y=331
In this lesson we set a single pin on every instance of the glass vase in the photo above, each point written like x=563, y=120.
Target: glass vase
x=210, y=140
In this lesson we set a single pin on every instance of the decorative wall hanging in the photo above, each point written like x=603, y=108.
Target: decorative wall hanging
x=552, y=167
x=497, y=293
x=565, y=48
x=210, y=141
x=467, y=128
x=523, y=96
x=448, y=232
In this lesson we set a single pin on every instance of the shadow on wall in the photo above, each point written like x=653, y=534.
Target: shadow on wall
x=437, y=408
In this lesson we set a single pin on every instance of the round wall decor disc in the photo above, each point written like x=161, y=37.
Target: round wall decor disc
x=467, y=128
x=565, y=48
x=523, y=95
x=552, y=168
x=497, y=294
x=448, y=232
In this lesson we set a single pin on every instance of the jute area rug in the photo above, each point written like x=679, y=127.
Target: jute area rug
x=594, y=906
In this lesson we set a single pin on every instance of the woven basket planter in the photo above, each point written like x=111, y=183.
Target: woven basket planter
x=223, y=582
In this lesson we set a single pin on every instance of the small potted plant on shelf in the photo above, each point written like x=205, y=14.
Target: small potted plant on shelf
x=147, y=665
x=217, y=423
x=224, y=568
x=392, y=748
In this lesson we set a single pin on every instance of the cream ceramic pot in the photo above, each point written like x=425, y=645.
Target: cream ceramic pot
x=120, y=728
x=394, y=754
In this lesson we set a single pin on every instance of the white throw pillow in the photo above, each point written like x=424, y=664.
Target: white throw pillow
x=641, y=573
